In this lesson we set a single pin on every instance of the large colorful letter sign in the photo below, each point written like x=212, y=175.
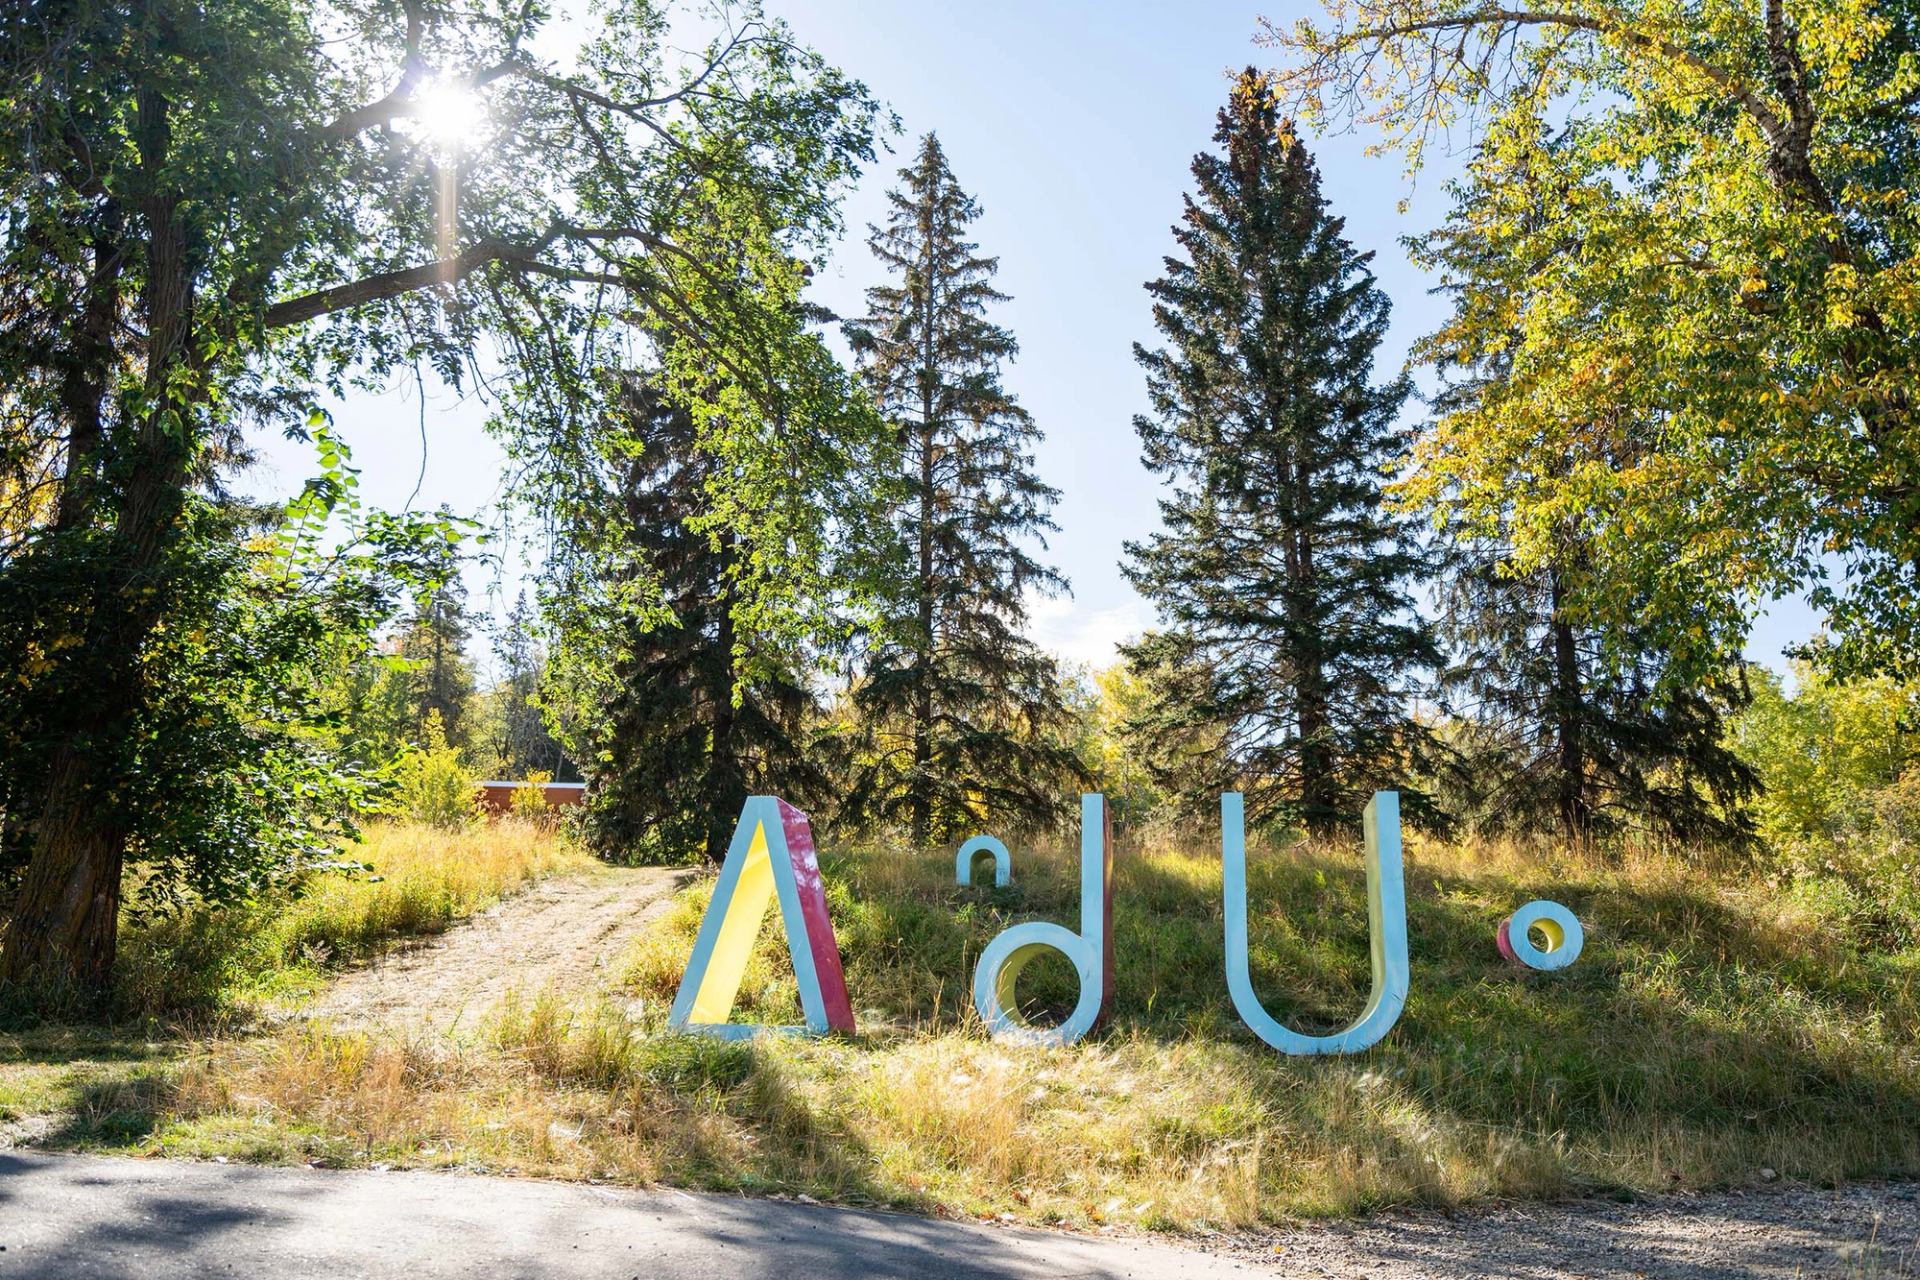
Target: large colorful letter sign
x=1090, y=950
x=1386, y=913
x=772, y=852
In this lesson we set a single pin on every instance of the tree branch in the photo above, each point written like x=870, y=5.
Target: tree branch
x=521, y=255
x=1763, y=115
x=402, y=105
x=393, y=284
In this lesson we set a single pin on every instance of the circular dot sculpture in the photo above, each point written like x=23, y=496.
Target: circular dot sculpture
x=1557, y=924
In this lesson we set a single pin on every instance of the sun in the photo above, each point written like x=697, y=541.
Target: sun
x=448, y=113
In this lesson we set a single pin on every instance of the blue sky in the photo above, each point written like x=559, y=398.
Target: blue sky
x=1074, y=125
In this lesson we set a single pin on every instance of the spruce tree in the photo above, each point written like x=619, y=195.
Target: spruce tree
x=960, y=719
x=1575, y=728
x=1287, y=636
x=435, y=643
x=685, y=735
x=522, y=742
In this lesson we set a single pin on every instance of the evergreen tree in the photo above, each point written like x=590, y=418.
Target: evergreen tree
x=435, y=644
x=960, y=718
x=697, y=715
x=1280, y=579
x=521, y=740
x=1577, y=729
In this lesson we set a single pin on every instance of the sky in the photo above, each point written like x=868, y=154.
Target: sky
x=1073, y=124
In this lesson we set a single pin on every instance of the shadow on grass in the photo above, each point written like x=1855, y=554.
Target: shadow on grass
x=1747, y=1037
x=109, y=1114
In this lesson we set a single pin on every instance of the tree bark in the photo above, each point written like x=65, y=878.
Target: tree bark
x=1575, y=807
x=1317, y=788
x=726, y=783
x=63, y=937
x=64, y=930
x=921, y=788
x=920, y=792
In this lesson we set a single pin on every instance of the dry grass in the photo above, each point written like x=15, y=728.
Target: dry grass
x=420, y=879
x=1713, y=1029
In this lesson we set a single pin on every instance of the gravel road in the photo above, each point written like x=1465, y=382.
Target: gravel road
x=1858, y=1232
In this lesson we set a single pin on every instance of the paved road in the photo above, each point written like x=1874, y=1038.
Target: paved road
x=75, y=1217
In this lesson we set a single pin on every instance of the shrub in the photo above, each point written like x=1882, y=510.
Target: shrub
x=433, y=785
x=530, y=799
x=1839, y=813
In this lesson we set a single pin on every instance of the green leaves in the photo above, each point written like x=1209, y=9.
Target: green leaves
x=1691, y=235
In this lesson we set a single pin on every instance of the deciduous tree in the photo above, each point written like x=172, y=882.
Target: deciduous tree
x=211, y=206
x=1697, y=222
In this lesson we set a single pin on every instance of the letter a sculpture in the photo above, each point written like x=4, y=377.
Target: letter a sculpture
x=772, y=852
x=1090, y=950
x=1386, y=913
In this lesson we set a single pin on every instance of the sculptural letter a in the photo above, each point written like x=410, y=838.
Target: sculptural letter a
x=772, y=852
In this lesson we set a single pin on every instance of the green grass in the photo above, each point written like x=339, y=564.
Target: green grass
x=1714, y=1027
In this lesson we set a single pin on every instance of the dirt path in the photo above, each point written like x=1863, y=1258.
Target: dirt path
x=562, y=933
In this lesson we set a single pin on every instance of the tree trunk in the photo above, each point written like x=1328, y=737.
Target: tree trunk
x=1575, y=809
x=83, y=382
x=66, y=920
x=922, y=790
x=726, y=782
x=1318, y=786
x=64, y=933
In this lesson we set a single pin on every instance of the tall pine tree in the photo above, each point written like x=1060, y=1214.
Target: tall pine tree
x=435, y=643
x=684, y=734
x=960, y=719
x=1281, y=581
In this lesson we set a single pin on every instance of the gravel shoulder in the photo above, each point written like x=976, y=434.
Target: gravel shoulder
x=562, y=933
x=1854, y=1232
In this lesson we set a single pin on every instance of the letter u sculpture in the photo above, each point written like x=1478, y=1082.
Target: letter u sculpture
x=1386, y=914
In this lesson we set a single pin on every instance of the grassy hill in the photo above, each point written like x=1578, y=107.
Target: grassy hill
x=1717, y=1031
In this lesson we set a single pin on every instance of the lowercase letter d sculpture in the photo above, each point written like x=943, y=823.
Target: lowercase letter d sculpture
x=1090, y=950
x=1386, y=912
x=772, y=853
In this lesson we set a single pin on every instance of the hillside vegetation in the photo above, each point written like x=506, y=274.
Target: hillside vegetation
x=1717, y=1031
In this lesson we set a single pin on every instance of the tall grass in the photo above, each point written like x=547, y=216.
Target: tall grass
x=1714, y=1029
x=208, y=960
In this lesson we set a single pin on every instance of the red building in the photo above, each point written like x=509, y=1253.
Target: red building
x=497, y=797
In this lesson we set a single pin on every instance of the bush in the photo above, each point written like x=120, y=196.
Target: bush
x=433, y=784
x=530, y=799
x=1839, y=813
